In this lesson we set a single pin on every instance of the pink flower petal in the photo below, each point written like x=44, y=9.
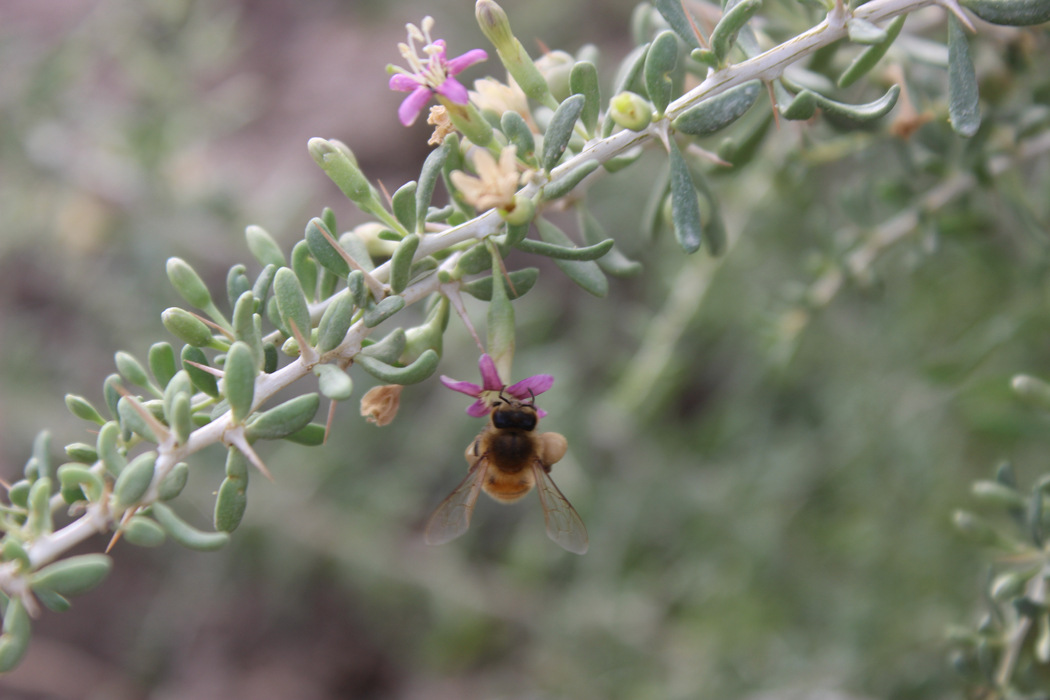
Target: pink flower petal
x=489, y=374
x=468, y=388
x=413, y=105
x=478, y=409
x=460, y=63
x=454, y=90
x=531, y=386
x=403, y=83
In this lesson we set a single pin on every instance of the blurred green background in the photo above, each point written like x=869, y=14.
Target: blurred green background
x=767, y=486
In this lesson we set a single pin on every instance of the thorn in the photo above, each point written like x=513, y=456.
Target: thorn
x=210, y=370
x=494, y=251
x=373, y=284
x=160, y=431
x=451, y=292
x=328, y=423
x=696, y=30
x=773, y=101
x=237, y=440
x=307, y=353
x=120, y=528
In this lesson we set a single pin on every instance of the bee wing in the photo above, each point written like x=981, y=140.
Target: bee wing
x=452, y=517
x=564, y=525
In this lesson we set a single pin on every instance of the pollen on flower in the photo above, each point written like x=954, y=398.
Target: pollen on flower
x=379, y=405
x=496, y=183
x=429, y=74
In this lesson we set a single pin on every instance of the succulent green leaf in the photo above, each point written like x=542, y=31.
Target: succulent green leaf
x=383, y=310
x=237, y=283
x=583, y=80
x=685, y=207
x=263, y=283
x=322, y=249
x=357, y=249
x=239, y=380
x=305, y=269
x=16, y=633
x=74, y=575
x=805, y=105
x=162, y=364
x=244, y=325
x=111, y=392
x=186, y=327
x=415, y=372
x=388, y=349
x=264, y=247
x=131, y=369
x=142, y=531
x=204, y=381
x=1014, y=13
x=521, y=281
x=660, y=62
x=723, y=36
x=403, y=204
x=184, y=533
x=567, y=183
x=311, y=436
x=291, y=302
x=683, y=26
x=585, y=273
x=188, y=283
x=82, y=408
x=870, y=56
x=338, y=163
x=333, y=382
x=563, y=252
x=230, y=504
x=519, y=134
x=614, y=262
x=74, y=476
x=964, y=110
x=173, y=482
x=132, y=482
x=108, y=447
x=335, y=322
x=428, y=178
x=401, y=262
x=284, y=419
x=720, y=111
x=131, y=421
x=559, y=131
x=39, y=521
x=82, y=452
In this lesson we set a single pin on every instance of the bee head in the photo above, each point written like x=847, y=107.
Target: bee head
x=509, y=413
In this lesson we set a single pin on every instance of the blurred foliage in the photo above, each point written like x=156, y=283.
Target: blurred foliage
x=769, y=506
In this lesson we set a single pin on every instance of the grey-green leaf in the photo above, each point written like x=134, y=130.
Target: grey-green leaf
x=659, y=63
x=720, y=111
x=585, y=273
x=685, y=207
x=964, y=111
x=559, y=131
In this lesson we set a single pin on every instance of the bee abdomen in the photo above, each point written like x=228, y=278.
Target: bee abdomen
x=512, y=451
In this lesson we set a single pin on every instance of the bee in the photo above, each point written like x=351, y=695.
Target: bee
x=507, y=459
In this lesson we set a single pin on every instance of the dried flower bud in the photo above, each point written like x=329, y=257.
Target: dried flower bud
x=379, y=405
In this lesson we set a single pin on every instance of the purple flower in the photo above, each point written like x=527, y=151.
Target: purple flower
x=431, y=74
x=492, y=386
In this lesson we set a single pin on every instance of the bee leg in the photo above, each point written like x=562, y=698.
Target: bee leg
x=551, y=448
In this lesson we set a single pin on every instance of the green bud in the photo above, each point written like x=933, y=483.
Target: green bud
x=291, y=302
x=333, y=382
x=631, y=111
x=186, y=327
x=523, y=210
x=496, y=28
x=239, y=380
x=184, y=533
x=143, y=532
x=285, y=419
x=264, y=247
x=73, y=576
x=494, y=24
x=133, y=481
x=173, y=482
x=81, y=408
x=188, y=283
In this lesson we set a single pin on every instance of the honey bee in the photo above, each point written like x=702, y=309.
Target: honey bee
x=508, y=458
